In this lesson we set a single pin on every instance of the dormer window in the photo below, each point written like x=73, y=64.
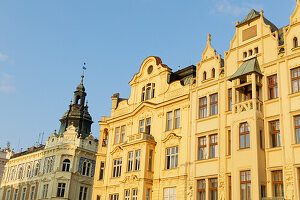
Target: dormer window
x=148, y=91
x=204, y=76
x=213, y=73
x=295, y=42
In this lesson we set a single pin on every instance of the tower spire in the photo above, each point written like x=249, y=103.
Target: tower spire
x=82, y=76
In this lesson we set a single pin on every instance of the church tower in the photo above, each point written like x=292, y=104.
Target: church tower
x=77, y=113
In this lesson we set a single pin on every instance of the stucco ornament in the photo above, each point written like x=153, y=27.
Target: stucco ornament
x=116, y=150
x=222, y=190
x=130, y=180
x=289, y=181
x=171, y=139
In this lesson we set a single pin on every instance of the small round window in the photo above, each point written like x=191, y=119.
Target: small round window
x=150, y=69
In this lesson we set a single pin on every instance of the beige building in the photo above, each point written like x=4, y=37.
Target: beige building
x=229, y=129
x=5, y=155
x=63, y=168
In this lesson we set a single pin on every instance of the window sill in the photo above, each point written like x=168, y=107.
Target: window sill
x=295, y=48
x=228, y=112
x=296, y=94
x=228, y=156
x=171, y=169
x=248, y=148
x=173, y=130
x=207, y=80
x=207, y=118
x=269, y=101
x=206, y=160
x=297, y=145
x=271, y=149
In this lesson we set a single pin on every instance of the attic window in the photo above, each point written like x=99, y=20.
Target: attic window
x=148, y=91
x=204, y=76
x=245, y=54
x=250, y=52
x=213, y=73
x=295, y=42
x=256, y=50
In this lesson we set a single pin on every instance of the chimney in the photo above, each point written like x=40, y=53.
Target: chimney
x=115, y=100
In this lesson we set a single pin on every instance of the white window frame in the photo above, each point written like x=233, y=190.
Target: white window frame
x=172, y=157
x=117, y=167
x=170, y=193
x=134, y=194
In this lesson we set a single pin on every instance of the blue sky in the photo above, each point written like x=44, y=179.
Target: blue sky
x=44, y=43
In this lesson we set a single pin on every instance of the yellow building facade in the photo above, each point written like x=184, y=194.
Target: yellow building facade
x=225, y=129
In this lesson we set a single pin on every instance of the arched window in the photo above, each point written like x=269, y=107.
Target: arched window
x=20, y=174
x=66, y=165
x=213, y=73
x=12, y=173
x=83, y=168
x=204, y=76
x=28, y=171
x=295, y=42
x=88, y=169
x=77, y=99
x=36, y=170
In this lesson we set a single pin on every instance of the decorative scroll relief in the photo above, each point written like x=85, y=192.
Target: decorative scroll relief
x=249, y=33
x=172, y=139
x=221, y=180
x=130, y=180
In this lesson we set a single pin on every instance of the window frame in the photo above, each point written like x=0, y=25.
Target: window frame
x=244, y=134
x=170, y=196
x=213, y=188
x=66, y=165
x=61, y=189
x=213, y=104
x=150, y=160
x=229, y=142
x=229, y=101
x=117, y=168
x=246, y=174
x=296, y=118
x=202, y=146
x=272, y=86
x=134, y=194
x=277, y=139
x=45, y=190
x=32, y=191
x=127, y=194
x=202, y=107
x=277, y=183
x=213, y=143
x=172, y=158
x=137, y=160
x=201, y=191
x=169, y=120
x=296, y=78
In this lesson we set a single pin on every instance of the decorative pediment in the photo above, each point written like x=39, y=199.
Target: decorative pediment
x=295, y=17
x=85, y=182
x=209, y=52
x=62, y=178
x=151, y=65
x=172, y=139
x=144, y=106
x=117, y=149
x=130, y=179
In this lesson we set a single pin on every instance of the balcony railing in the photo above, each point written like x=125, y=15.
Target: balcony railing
x=140, y=136
x=248, y=105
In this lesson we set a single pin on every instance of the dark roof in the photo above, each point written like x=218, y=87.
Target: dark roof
x=252, y=15
x=247, y=67
x=28, y=151
x=183, y=75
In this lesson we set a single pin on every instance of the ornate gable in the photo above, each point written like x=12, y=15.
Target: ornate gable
x=209, y=52
x=295, y=17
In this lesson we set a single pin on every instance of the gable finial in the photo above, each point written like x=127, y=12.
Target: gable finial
x=208, y=38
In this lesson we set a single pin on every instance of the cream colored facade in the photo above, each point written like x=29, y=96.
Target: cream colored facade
x=4, y=157
x=38, y=172
x=239, y=133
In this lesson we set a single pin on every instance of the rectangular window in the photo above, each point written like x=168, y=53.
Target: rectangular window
x=117, y=167
x=134, y=194
x=130, y=161
x=171, y=157
x=177, y=118
x=61, y=190
x=213, y=146
x=244, y=136
x=169, y=120
x=202, y=148
x=297, y=129
x=142, y=126
x=150, y=160
x=117, y=135
x=148, y=194
x=23, y=194
x=148, y=125
x=203, y=107
x=8, y=195
x=277, y=183
x=137, y=160
x=229, y=142
x=272, y=87
x=123, y=128
x=295, y=80
x=230, y=99
x=32, y=191
x=213, y=104
x=114, y=197
x=101, y=175
x=170, y=193
x=245, y=180
x=45, y=190
x=16, y=194
x=213, y=189
x=201, y=189
x=263, y=191
x=83, y=193
x=275, y=134
x=127, y=194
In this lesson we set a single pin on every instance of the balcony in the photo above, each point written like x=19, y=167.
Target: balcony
x=248, y=105
x=140, y=136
